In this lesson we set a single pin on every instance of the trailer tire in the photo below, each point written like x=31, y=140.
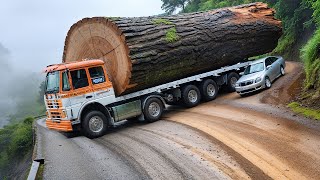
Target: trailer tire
x=190, y=96
x=208, y=89
x=94, y=124
x=153, y=109
x=231, y=81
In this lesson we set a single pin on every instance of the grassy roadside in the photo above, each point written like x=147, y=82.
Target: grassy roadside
x=308, y=112
x=15, y=144
x=40, y=172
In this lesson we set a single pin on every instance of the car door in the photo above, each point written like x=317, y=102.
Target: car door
x=275, y=67
x=269, y=73
x=81, y=89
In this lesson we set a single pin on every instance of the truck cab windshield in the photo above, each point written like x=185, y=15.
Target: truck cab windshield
x=52, y=82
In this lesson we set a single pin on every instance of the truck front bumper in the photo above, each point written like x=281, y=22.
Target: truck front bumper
x=64, y=126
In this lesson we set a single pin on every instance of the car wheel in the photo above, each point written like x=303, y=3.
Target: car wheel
x=190, y=96
x=153, y=109
x=94, y=124
x=282, y=72
x=209, y=90
x=268, y=83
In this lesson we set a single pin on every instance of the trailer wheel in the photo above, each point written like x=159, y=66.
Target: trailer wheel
x=190, y=96
x=208, y=89
x=153, y=109
x=94, y=124
x=231, y=81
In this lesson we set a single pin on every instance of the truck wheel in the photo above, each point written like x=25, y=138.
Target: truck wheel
x=94, y=124
x=231, y=81
x=190, y=96
x=153, y=109
x=208, y=89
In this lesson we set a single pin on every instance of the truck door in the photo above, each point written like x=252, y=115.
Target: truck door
x=101, y=85
x=82, y=91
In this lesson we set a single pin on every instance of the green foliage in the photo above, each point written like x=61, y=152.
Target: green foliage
x=204, y=5
x=315, y=4
x=171, y=5
x=15, y=143
x=311, y=113
x=39, y=175
x=295, y=18
x=310, y=55
x=171, y=35
x=162, y=21
x=114, y=18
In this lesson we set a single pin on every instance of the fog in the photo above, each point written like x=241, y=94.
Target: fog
x=32, y=36
x=19, y=89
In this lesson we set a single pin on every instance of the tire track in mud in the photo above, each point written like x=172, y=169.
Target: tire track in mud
x=154, y=163
x=268, y=150
x=250, y=170
x=178, y=147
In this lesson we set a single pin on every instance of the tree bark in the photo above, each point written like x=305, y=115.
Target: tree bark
x=147, y=51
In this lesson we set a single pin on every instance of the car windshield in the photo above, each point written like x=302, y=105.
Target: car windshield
x=253, y=68
x=52, y=82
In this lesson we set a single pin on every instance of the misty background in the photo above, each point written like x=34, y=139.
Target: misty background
x=32, y=36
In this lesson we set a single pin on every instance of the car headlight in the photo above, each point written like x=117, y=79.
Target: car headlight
x=237, y=84
x=258, y=80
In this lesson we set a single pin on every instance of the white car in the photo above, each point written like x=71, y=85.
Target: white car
x=260, y=74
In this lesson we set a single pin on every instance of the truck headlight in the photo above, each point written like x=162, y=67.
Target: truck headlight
x=258, y=80
x=237, y=84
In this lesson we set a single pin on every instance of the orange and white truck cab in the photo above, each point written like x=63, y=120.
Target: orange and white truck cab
x=80, y=96
x=71, y=86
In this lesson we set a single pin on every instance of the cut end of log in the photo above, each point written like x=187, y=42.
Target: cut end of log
x=100, y=38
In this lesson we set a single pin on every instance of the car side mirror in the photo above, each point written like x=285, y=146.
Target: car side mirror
x=241, y=73
x=268, y=67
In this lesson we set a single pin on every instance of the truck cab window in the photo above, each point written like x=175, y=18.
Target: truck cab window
x=65, y=81
x=97, y=75
x=79, y=78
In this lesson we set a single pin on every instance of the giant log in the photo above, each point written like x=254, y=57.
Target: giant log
x=147, y=51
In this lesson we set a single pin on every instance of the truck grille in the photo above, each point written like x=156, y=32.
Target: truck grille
x=54, y=110
x=54, y=104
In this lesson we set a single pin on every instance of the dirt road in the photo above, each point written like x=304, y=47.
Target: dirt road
x=229, y=138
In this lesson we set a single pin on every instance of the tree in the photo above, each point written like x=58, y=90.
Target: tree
x=171, y=5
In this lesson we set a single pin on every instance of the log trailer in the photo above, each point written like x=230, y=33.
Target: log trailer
x=80, y=96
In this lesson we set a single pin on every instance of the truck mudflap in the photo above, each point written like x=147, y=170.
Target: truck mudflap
x=64, y=126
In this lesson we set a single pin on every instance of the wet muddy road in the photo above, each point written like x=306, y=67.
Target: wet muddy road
x=229, y=138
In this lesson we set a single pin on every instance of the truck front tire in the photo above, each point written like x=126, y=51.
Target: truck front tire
x=153, y=109
x=209, y=90
x=190, y=96
x=94, y=124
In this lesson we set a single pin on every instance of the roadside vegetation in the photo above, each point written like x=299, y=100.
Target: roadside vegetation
x=306, y=111
x=15, y=144
x=16, y=138
x=300, y=40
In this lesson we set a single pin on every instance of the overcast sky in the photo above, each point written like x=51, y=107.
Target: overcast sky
x=33, y=31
